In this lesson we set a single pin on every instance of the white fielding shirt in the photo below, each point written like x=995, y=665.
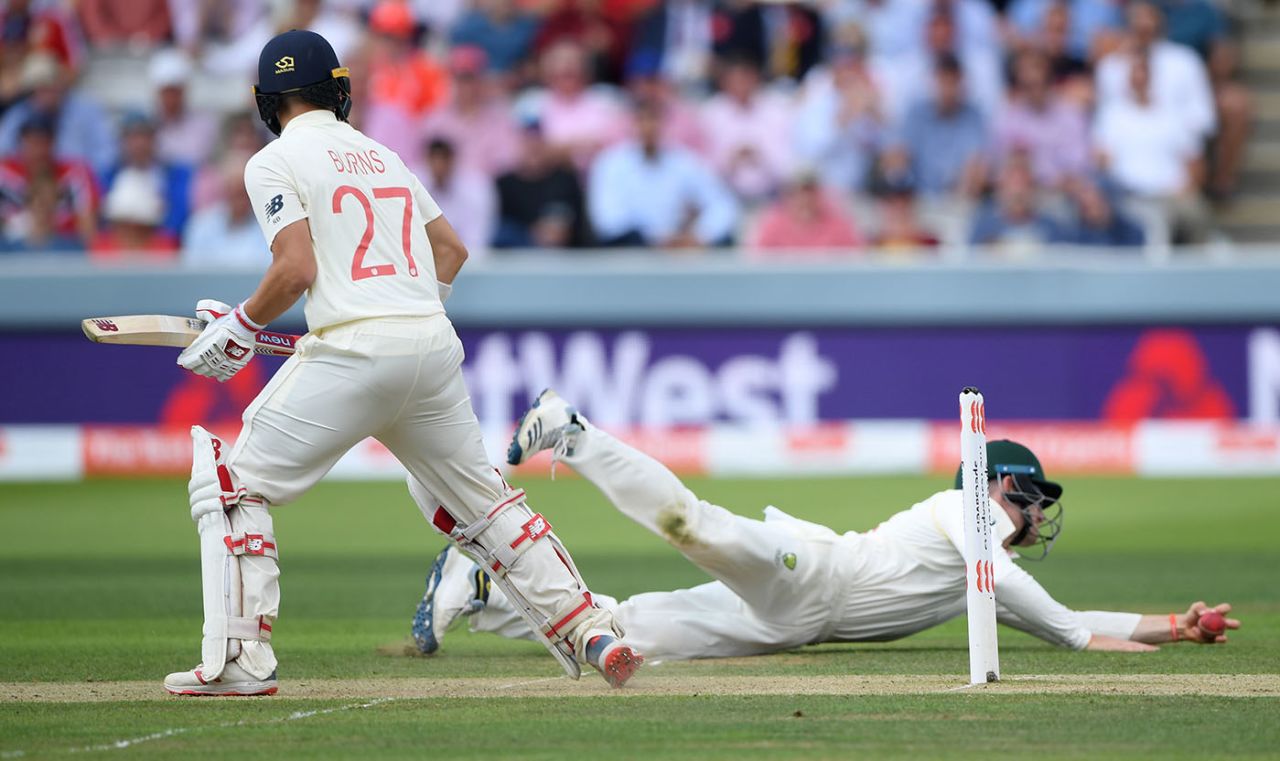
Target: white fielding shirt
x=367, y=214
x=908, y=574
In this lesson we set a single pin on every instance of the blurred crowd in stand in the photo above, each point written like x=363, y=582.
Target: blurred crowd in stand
x=784, y=129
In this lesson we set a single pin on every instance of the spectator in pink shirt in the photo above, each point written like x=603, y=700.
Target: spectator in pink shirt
x=240, y=132
x=478, y=119
x=121, y=23
x=1051, y=130
x=467, y=194
x=183, y=135
x=807, y=217
x=751, y=149
x=578, y=122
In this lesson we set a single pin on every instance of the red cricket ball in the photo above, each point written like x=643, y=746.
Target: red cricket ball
x=1212, y=623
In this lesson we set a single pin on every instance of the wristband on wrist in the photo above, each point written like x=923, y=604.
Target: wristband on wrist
x=244, y=320
x=445, y=289
x=1173, y=627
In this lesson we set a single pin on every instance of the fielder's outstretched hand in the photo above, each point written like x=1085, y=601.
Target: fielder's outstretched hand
x=225, y=346
x=1192, y=630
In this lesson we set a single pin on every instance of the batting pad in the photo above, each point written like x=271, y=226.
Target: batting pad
x=238, y=564
x=508, y=535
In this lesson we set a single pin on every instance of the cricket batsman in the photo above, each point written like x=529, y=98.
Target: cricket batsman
x=355, y=231
x=784, y=582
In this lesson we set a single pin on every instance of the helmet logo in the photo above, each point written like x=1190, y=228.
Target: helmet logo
x=284, y=64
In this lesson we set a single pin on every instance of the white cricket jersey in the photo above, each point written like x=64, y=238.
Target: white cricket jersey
x=908, y=574
x=367, y=214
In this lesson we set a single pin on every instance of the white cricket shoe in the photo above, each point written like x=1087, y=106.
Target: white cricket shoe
x=456, y=586
x=549, y=422
x=233, y=681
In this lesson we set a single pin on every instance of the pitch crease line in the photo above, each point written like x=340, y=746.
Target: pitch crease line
x=543, y=680
x=122, y=744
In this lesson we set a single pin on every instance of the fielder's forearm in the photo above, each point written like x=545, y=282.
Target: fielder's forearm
x=1109, y=623
x=1153, y=630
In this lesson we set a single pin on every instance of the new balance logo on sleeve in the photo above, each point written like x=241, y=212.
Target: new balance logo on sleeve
x=275, y=206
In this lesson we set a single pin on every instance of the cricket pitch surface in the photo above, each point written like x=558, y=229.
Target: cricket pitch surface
x=655, y=683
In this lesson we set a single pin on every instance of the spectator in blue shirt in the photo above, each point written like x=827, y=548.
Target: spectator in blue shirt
x=1012, y=220
x=227, y=233
x=1089, y=19
x=174, y=180
x=946, y=137
x=1197, y=24
x=84, y=131
x=1096, y=220
x=644, y=192
x=504, y=32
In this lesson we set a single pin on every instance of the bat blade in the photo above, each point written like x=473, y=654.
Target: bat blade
x=143, y=330
x=169, y=330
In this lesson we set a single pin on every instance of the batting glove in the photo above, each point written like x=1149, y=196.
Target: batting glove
x=224, y=347
x=208, y=310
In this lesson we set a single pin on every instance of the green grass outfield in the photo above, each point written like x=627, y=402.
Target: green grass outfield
x=99, y=591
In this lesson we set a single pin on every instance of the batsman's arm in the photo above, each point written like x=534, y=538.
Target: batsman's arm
x=292, y=271
x=446, y=248
x=447, y=251
x=270, y=183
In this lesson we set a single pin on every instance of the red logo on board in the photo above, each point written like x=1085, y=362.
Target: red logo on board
x=1168, y=377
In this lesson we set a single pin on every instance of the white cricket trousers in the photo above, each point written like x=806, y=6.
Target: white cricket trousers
x=772, y=590
x=399, y=381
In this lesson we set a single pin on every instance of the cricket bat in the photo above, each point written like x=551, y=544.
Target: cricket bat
x=167, y=330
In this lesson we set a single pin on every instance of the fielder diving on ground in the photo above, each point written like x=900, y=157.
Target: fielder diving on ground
x=783, y=582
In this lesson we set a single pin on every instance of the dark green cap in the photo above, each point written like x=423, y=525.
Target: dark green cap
x=1006, y=457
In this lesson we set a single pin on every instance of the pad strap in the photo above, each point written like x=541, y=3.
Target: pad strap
x=505, y=552
x=258, y=628
x=566, y=619
x=505, y=555
x=471, y=532
x=241, y=543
